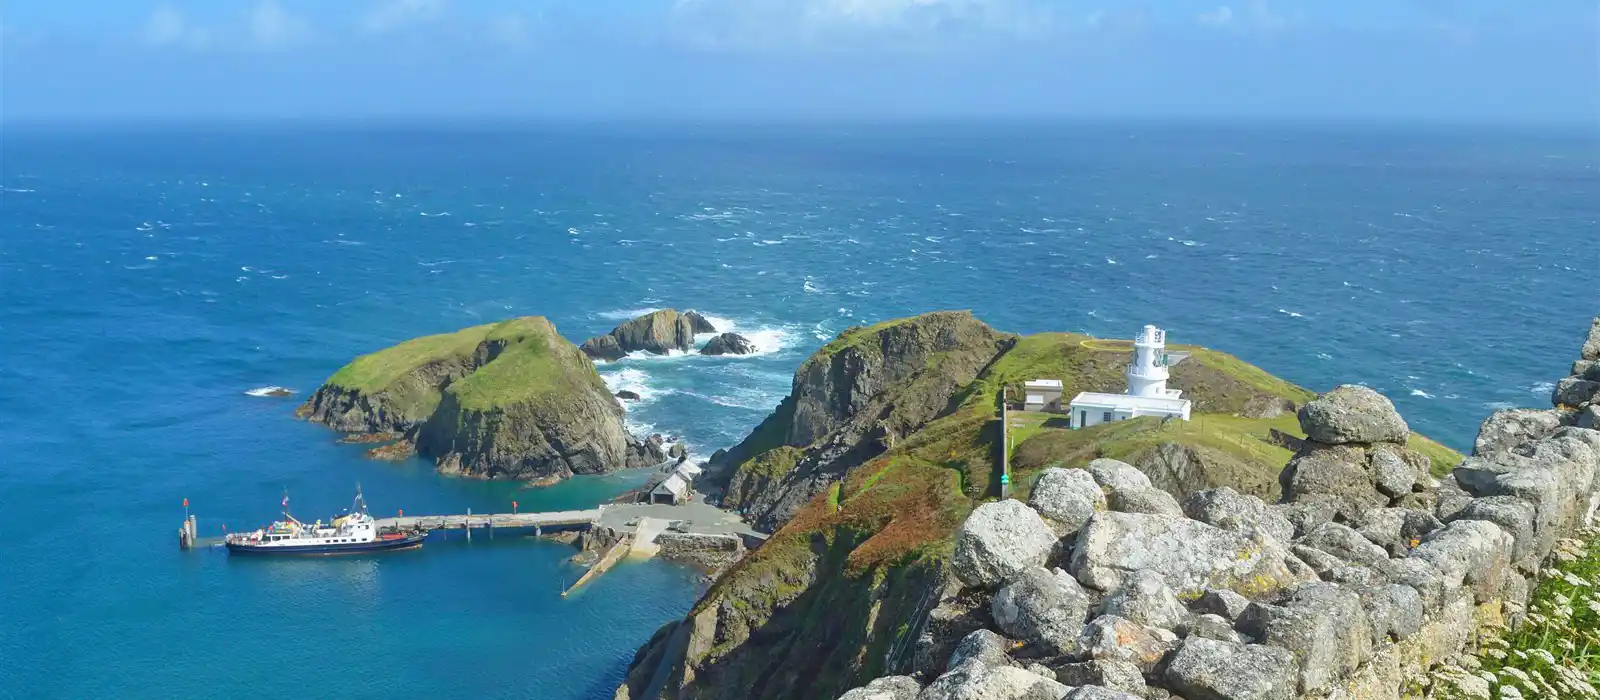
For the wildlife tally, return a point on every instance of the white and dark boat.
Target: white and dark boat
(352, 533)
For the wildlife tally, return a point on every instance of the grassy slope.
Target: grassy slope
(534, 363)
(379, 370)
(895, 516)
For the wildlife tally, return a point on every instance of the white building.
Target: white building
(1042, 395)
(1147, 393)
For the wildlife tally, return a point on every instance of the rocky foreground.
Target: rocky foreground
(1371, 556)
(509, 400)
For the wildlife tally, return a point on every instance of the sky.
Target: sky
(1459, 61)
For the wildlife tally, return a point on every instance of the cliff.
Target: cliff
(505, 400)
(851, 401)
(888, 440)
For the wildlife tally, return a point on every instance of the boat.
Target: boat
(355, 532)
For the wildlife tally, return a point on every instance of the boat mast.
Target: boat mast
(360, 506)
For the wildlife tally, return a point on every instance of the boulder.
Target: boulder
(1145, 599)
(886, 688)
(1334, 474)
(1189, 554)
(678, 453)
(728, 344)
(1209, 669)
(1113, 638)
(1042, 607)
(1095, 692)
(1247, 515)
(1214, 627)
(1352, 414)
(603, 347)
(1510, 427)
(975, 681)
(1514, 515)
(1591, 345)
(1390, 473)
(1067, 497)
(999, 540)
(1396, 530)
(1222, 602)
(1471, 552)
(1421, 577)
(1305, 516)
(626, 395)
(1324, 625)
(1575, 392)
(982, 646)
(1589, 418)
(1450, 498)
(1346, 544)
(1586, 369)
(1114, 475)
(1147, 500)
(1120, 676)
(698, 323)
(1394, 611)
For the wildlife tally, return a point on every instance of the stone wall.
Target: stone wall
(1368, 573)
(709, 552)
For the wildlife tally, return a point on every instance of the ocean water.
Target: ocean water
(151, 277)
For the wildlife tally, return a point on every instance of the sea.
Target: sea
(155, 278)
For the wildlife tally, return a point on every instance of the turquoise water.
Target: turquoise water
(150, 278)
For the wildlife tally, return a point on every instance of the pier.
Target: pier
(553, 521)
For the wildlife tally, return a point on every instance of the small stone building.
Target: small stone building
(1042, 395)
(674, 490)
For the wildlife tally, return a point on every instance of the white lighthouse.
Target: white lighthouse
(1147, 393)
(1147, 374)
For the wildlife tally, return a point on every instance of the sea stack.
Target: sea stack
(509, 400)
(657, 332)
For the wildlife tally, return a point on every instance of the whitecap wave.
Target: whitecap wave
(635, 380)
(270, 391)
(767, 339)
(1291, 314)
(1542, 388)
(1421, 393)
(626, 314)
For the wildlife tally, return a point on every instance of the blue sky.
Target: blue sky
(1536, 61)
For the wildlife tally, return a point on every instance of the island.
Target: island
(507, 400)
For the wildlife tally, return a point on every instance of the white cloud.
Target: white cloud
(269, 26)
(779, 25)
(167, 27)
(513, 31)
(391, 15)
(1220, 17)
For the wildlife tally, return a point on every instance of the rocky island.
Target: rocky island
(1280, 545)
(510, 400)
(658, 332)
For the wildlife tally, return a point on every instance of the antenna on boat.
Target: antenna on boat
(361, 502)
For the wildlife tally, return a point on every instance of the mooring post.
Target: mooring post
(468, 524)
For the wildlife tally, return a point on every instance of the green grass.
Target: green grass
(854, 335)
(377, 371)
(536, 363)
(1556, 651)
(773, 463)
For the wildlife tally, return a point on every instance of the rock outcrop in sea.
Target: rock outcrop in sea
(657, 332)
(510, 400)
(728, 344)
(897, 576)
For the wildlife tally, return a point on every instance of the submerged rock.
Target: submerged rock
(728, 344)
(626, 395)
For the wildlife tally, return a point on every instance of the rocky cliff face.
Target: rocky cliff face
(658, 332)
(508, 400)
(1367, 572)
(850, 402)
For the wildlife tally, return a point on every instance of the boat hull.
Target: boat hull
(409, 541)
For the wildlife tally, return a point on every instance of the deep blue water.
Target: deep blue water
(150, 278)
